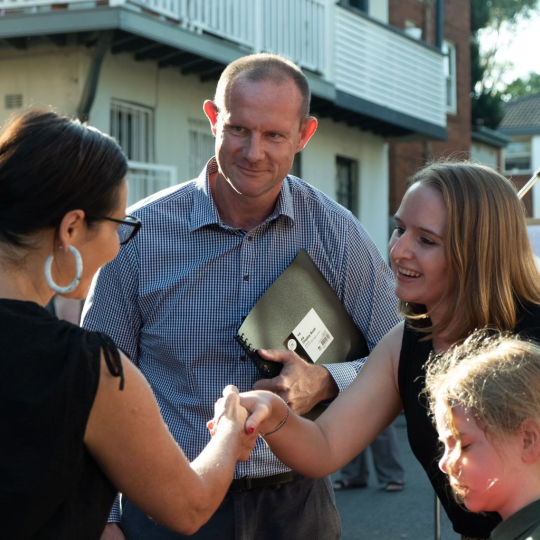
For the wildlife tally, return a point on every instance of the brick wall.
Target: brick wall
(407, 157)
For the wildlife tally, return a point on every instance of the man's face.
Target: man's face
(258, 132)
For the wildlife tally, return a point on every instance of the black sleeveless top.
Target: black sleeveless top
(50, 486)
(423, 436)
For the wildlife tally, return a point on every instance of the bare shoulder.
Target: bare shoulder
(391, 342)
(395, 338)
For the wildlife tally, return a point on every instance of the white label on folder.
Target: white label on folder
(313, 335)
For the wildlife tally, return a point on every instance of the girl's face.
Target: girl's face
(416, 247)
(484, 477)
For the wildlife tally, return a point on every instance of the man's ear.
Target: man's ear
(530, 440)
(309, 127)
(211, 110)
(71, 225)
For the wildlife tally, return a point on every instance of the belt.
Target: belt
(245, 484)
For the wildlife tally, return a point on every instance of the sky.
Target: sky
(521, 49)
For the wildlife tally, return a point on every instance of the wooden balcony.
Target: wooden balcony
(363, 72)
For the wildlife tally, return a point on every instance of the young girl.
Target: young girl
(485, 398)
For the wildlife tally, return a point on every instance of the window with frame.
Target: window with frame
(132, 126)
(517, 157)
(347, 183)
(202, 146)
(362, 5)
(450, 72)
(13, 101)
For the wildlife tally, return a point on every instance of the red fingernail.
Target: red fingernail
(251, 429)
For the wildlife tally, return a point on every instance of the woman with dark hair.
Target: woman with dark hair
(78, 421)
(462, 260)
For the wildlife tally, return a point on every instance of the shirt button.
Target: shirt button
(246, 278)
(243, 358)
(250, 238)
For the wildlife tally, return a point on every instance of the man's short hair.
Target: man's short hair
(264, 67)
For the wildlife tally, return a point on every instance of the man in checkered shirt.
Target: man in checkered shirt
(174, 297)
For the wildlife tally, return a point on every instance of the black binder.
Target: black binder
(301, 311)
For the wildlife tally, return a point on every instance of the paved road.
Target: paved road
(374, 514)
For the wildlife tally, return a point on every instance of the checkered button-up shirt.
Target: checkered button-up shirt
(176, 295)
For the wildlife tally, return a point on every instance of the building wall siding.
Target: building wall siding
(45, 76)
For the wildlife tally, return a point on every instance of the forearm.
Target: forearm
(302, 445)
(349, 424)
(297, 442)
(126, 435)
(215, 467)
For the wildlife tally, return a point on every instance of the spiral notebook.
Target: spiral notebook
(300, 311)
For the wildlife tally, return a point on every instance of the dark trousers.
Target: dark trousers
(386, 459)
(303, 508)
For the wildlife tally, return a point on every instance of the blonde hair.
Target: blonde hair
(487, 250)
(496, 378)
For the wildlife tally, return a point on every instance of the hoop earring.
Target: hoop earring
(78, 273)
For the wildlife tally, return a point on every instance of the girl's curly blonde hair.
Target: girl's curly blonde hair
(495, 377)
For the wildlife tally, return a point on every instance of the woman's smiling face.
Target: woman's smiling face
(417, 249)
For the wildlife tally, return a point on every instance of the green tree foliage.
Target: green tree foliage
(498, 12)
(486, 99)
(522, 87)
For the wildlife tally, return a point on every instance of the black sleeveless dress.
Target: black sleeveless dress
(422, 434)
(50, 486)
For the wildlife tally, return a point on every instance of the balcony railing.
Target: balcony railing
(352, 52)
(145, 179)
(293, 28)
(385, 67)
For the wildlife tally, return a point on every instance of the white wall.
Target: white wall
(378, 9)
(484, 154)
(175, 99)
(319, 168)
(46, 76)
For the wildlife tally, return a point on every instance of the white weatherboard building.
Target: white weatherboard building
(141, 69)
(521, 123)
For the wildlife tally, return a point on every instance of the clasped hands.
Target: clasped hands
(301, 385)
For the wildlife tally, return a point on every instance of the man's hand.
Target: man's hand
(112, 532)
(301, 384)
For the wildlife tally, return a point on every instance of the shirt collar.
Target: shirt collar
(518, 523)
(204, 211)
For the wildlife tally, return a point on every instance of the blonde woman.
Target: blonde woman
(461, 260)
